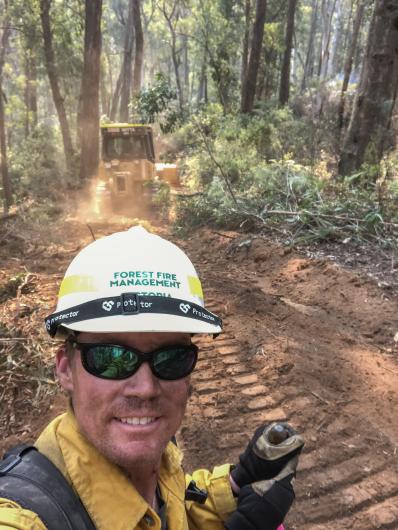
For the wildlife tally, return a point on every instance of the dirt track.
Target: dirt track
(304, 341)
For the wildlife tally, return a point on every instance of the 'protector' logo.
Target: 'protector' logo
(107, 305)
(185, 308)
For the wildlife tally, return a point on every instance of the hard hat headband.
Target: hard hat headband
(129, 304)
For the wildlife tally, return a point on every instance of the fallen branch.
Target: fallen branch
(324, 215)
(223, 235)
(323, 400)
(189, 195)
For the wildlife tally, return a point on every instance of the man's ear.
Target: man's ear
(63, 368)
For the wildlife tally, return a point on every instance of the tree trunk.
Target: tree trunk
(7, 192)
(90, 89)
(347, 30)
(202, 92)
(52, 73)
(126, 70)
(249, 85)
(186, 68)
(104, 92)
(176, 64)
(139, 48)
(309, 60)
(284, 91)
(350, 58)
(327, 10)
(263, 79)
(116, 97)
(337, 41)
(245, 52)
(30, 91)
(366, 138)
(170, 17)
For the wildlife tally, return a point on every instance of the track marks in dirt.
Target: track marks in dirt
(348, 475)
(228, 402)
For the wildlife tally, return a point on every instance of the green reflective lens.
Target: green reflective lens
(112, 361)
(173, 363)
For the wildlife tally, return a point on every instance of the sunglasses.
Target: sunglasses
(113, 361)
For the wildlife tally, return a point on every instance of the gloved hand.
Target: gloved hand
(268, 452)
(263, 505)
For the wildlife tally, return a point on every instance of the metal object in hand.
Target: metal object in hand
(278, 434)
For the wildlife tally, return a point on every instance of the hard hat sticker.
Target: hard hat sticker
(195, 287)
(145, 278)
(77, 284)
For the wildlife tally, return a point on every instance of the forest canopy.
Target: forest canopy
(277, 112)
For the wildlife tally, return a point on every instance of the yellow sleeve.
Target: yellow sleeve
(14, 517)
(220, 502)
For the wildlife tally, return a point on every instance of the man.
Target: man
(128, 307)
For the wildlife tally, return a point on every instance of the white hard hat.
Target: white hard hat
(131, 281)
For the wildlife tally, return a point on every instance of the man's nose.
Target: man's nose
(143, 383)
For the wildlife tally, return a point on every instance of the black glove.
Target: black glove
(263, 505)
(266, 455)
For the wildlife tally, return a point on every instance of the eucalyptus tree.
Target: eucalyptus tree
(368, 135)
(172, 13)
(4, 42)
(284, 90)
(328, 10)
(246, 37)
(26, 21)
(218, 26)
(250, 81)
(90, 89)
(126, 71)
(53, 76)
(350, 55)
(309, 65)
(139, 47)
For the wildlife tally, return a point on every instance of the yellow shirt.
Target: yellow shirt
(110, 498)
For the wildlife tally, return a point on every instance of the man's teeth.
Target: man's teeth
(138, 421)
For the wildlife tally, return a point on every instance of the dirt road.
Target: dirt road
(304, 341)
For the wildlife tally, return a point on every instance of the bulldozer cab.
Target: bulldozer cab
(128, 174)
(127, 142)
(127, 167)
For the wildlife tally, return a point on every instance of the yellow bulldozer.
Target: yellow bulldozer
(128, 174)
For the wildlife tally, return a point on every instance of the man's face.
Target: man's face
(102, 406)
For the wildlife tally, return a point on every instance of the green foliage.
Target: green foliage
(273, 134)
(161, 198)
(35, 166)
(156, 102)
(214, 208)
(256, 158)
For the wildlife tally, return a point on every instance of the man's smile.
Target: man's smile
(138, 420)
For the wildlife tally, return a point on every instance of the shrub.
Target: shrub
(299, 208)
(35, 167)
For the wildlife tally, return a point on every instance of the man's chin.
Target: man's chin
(136, 456)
